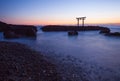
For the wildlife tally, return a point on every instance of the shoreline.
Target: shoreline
(58, 67)
(20, 63)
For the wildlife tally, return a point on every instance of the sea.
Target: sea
(99, 54)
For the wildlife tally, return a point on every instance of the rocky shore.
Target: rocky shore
(20, 63)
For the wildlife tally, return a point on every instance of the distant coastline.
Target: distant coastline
(72, 28)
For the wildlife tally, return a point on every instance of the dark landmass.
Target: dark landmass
(113, 34)
(72, 28)
(3, 26)
(16, 31)
(72, 33)
(20, 63)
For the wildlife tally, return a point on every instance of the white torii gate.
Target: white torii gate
(80, 18)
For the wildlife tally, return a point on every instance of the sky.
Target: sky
(59, 12)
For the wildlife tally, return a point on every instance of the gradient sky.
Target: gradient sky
(44, 12)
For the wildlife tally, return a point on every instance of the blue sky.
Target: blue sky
(59, 11)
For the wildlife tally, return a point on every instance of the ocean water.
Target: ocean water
(89, 47)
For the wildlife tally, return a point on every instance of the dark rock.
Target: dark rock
(71, 33)
(24, 30)
(10, 34)
(11, 80)
(113, 34)
(15, 31)
(71, 28)
(105, 31)
(3, 26)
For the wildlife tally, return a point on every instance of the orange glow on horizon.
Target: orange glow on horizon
(63, 21)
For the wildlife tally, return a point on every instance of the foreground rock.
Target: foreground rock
(19, 63)
(15, 31)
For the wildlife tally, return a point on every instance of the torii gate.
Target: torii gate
(80, 18)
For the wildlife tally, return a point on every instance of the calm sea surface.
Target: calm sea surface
(88, 46)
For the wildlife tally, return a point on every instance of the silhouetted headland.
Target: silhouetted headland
(113, 34)
(72, 28)
(16, 31)
(109, 33)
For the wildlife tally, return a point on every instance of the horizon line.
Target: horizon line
(62, 24)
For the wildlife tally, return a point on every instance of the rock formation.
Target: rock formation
(15, 31)
(72, 28)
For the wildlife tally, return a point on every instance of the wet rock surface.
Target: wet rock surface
(19, 63)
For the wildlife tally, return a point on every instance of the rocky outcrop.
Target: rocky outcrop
(3, 26)
(10, 34)
(113, 34)
(108, 33)
(50, 28)
(105, 30)
(72, 33)
(24, 30)
(15, 31)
